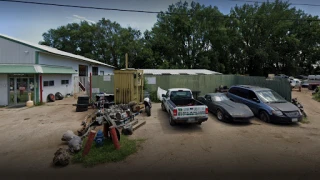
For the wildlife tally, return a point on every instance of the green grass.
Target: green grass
(317, 96)
(107, 153)
(305, 120)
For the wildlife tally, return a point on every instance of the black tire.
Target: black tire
(83, 98)
(58, 96)
(172, 123)
(264, 116)
(81, 109)
(220, 115)
(148, 111)
(199, 123)
(51, 97)
(82, 102)
(82, 105)
(162, 107)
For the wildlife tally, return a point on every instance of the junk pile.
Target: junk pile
(114, 119)
(62, 156)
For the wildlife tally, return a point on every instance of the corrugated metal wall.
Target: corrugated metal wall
(15, 53)
(203, 83)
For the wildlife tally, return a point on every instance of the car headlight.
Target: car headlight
(278, 113)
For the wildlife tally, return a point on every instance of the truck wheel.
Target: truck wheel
(148, 111)
(172, 123)
(162, 107)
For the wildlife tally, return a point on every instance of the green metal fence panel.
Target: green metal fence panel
(103, 83)
(203, 83)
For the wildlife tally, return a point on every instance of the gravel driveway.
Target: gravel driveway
(217, 149)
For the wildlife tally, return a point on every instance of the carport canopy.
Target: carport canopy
(34, 69)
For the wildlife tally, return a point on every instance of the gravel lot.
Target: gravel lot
(256, 150)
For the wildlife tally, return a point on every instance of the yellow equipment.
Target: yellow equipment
(128, 85)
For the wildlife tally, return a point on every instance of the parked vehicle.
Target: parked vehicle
(265, 103)
(182, 107)
(295, 83)
(225, 109)
(296, 103)
(222, 89)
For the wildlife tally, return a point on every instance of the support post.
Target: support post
(126, 60)
(40, 88)
(89, 143)
(90, 87)
(114, 137)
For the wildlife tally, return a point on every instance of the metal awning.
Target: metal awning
(34, 69)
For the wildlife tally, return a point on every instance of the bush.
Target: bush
(153, 97)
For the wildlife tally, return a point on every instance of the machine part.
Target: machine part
(67, 136)
(99, 138)
(61, 157)
(299, 105)
(51, 97)
(75, 144)
(89, 143)
(58, 96)
(147, 105)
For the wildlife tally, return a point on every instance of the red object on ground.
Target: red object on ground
(88, 145)
(114, 137)
(41, 88)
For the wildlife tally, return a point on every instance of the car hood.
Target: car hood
(283, 106)
(236, 109)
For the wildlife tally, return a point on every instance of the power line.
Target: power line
(296, 4)
(143, 11)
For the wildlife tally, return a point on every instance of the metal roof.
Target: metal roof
(53, 50)
(34, 69)
(178, 71)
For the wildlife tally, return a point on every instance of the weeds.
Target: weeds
(107, 152)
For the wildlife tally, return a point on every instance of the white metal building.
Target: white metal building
(40, 70)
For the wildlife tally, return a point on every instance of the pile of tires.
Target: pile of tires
(82, 104)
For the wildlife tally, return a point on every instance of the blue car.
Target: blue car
(265, 103)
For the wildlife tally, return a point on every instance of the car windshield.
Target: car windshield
(180, 95)
(270, 96)
(221, 97)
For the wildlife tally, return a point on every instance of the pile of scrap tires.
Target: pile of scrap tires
(82, 104)
(57, 96)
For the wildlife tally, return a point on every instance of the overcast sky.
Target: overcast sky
(28, 22)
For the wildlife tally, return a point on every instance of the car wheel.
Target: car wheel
(172, 123)
(220, 115)
(264, 116)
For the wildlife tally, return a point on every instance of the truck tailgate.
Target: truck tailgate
(191, 111)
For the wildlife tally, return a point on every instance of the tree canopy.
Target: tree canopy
(255, 39)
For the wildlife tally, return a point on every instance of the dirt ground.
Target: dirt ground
(215, 149)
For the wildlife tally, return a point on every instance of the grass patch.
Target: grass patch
(107, 153)
(305, 120)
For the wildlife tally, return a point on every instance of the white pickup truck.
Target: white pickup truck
(182, 107)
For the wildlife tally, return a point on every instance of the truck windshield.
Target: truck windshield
(180, 95)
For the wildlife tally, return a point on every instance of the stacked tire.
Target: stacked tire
(82, 104)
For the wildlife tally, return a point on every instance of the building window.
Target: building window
(101, 73)
(48, 83)
(64, 81)
(95, 71)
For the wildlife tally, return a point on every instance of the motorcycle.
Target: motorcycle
(147, 105)
(296, 103)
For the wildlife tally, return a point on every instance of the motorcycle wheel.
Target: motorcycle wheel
(148, 111)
